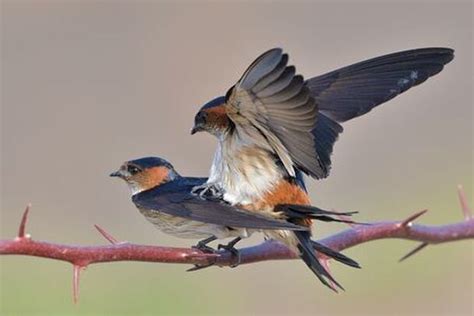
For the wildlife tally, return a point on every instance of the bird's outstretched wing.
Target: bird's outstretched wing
(299, 119)
(271, 97)
(354, 90)
(174, 198)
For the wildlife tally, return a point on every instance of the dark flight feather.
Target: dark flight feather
(297, 212)
(308, 255)
(354, 90)
(322, 102)
(279, 105)
(325, 135)
(334, 254)
(174, 198)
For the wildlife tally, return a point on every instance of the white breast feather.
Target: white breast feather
(245, 172)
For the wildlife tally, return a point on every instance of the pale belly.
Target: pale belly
(185, 228)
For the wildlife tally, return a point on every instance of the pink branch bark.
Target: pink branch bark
(82, 256)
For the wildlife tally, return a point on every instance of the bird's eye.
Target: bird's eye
(133, 169)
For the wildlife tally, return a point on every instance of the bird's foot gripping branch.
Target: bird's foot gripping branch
(82, 256)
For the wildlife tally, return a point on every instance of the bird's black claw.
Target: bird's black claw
(207, 191)
(235, 253)
(204, 248)
(202, 245)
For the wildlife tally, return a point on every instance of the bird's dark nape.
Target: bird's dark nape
(354, 90)
(308, 255)
(213, 103)
(149, 162)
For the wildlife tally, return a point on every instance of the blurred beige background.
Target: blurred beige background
(89, 84)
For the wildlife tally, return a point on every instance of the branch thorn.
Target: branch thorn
(75, 282)
(464, 205)
(325, 263)
(24, 219)
(408, 222)
(414, 251)
(106, 235)
(347, 219)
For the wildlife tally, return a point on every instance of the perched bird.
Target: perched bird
(273, 126)
(164, 198)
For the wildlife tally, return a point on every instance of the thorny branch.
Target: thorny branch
(82, 256)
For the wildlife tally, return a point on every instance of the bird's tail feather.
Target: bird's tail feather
(308, 255)
(334, 255)
(308, 249)
(296, 212)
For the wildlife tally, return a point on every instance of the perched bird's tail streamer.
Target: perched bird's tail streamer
(308, 255)
(308, 250)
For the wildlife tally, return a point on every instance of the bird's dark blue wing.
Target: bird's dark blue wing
(174, 198)
(356, 89)
(326, 133)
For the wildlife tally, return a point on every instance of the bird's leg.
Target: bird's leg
(208, 191)
(231, 248)
(202, 245)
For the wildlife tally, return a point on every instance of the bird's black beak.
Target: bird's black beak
(196, 129)
(116, 174)
(199, 122)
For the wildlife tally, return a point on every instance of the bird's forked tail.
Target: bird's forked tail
(308, 249)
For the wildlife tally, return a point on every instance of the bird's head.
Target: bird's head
(212, 118)
(145, 173)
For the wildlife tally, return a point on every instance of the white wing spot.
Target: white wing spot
(403, 82)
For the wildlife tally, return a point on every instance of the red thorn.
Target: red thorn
(345, 218)
(200, 267)
(106, 235)
(325, 264)
(414, 251)
(407, 222)
(75, 282)
(464, 205)
(24, 219)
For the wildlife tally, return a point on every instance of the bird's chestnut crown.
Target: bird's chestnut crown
(145, 173)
